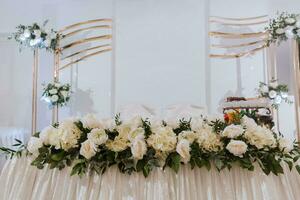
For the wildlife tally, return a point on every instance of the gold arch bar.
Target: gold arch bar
(236, 55)
(103, 37)
(84, 57)
(87, 28)
(239, 24)
(237, 35)
(85, 50)
(83, 23)
(239, 19)
(237, 45)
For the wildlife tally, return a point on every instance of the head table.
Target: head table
(20, 180)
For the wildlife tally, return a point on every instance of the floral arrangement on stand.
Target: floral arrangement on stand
(36, 37)
(274, 92)
(89, 145)
(283, 27)
(56, 94)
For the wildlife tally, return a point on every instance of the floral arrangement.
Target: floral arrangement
(89, 145)
(274, 92)
(56, 94)
(283, 27)
(36, 37)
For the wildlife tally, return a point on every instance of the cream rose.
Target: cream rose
(138, 149)
(98, 136)
(34, 144)
(88, 149)
(233, 131)
(237, 147)
(183, 149)
(118, 144)
(285, 145)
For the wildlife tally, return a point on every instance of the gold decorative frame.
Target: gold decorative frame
(73, 30)
(260, 37)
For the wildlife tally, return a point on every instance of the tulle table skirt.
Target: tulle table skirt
(20, 180)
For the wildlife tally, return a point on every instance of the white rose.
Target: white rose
(64, 93)
(53, 91)
(279, 31)
(233, 131)
(285, 145)
(33, 145)
(124, 130)
(138, 149)
(237, 147)
(37, 33)
(98, 136)
(277, 100)
(88, 149)
(57, 85)
(290, 20)
(249, 123)
(272, 94)
(45, 134)
(183, 149)
(289, 34)
(54, 98)
(26, 33)
(68, 139)
(90, 121)
(54, 138)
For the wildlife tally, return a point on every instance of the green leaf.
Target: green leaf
(146, 170)
(298, 169)
(58, 156)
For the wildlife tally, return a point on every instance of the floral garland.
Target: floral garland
(35, 37)
(140, 145)
(275, 93)
(56, 94)
(283, 27)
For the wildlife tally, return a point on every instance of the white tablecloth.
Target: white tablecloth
(19, 180)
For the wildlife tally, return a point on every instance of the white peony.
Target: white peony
(98, 136)
(285, 145)
(54, 138)
(69, 134)
(90, 121)
(290, 20)
(289, 33)
(88, 149)
(163, 139)
(137, 133)
(138, 148)
(54, 98)
(208, 140)
(279, 31)
(191, 136)
(53, 91)
(46, 133)
(237, 147)
(272, 94)
(233, 131)
(183, 149)
(249, 123)
(26, 33)
(260, 137)
(33, 145)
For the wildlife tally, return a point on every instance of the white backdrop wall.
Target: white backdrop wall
(161, 55)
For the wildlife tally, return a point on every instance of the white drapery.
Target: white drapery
(19, 180)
